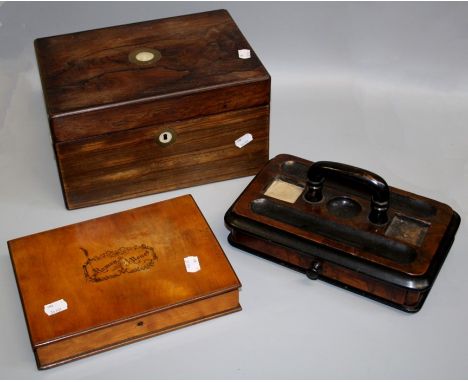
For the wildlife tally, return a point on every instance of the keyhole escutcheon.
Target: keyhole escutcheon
(166, 137)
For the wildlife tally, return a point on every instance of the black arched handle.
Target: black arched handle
(333, 170)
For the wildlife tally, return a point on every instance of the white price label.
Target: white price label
(242, 141)
(55, 307)
(191, 264)
(244, 53)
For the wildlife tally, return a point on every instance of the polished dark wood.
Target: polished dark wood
(91, 69)
(329, 271)
(93, 89)
(139, 115)
(395, 262)
(125, 164)
(123, 277)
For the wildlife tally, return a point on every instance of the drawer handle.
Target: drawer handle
(313, 272)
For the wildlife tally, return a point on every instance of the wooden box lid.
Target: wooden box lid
(118, 267)
(159, 60)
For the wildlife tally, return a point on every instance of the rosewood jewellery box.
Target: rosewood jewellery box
(346, 226)
(106, 282)
(154, 106)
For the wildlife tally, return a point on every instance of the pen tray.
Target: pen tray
(346, 226)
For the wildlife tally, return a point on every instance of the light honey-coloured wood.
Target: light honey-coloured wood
(137, 329)
(116, 269)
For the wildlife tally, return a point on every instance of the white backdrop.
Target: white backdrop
(382, 86)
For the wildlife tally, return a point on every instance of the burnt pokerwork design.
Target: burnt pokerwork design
(111, 264)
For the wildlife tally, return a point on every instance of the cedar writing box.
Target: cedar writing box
(153, 106)
(346, 226)
(106, 282)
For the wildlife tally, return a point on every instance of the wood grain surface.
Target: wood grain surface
(106, 111)
(438, 219)
(368, 258)
(90, 70)
(99, 340)
(140, 115)
(129, 163)
(329, 270)
(123, 277)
